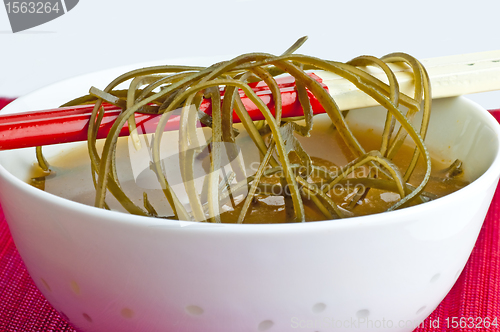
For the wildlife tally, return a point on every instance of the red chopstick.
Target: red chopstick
(69, 124)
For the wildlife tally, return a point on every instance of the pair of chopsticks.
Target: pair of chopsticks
(69, 124)
(450, 76)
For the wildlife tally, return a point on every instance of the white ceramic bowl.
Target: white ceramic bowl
(108, 271)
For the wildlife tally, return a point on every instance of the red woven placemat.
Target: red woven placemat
(474, 300)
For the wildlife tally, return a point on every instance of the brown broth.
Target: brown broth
(72, 180)
(270, 209)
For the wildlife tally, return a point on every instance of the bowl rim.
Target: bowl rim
(489, 177)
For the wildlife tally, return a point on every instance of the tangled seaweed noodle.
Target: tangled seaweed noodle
(163, 89)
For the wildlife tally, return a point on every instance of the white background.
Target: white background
(102, 34)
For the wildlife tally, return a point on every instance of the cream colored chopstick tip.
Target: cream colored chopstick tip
(450, 76)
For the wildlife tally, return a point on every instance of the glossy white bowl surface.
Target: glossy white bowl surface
(108, 271)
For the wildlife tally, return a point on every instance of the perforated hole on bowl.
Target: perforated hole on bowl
(363, 313)
(194, 310)
(87, 317)
(435, 277)
(419, 311)
(46, 284)
(75, 287)
(318, 307)
(127, 313)
(265, 325)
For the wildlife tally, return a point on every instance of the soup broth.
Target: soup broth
(71, 179)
